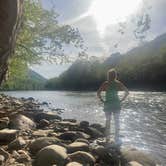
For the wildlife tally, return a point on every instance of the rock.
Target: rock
(73, 135)
(109, 155)
(84, 124)
(69, 136)
(44, 103)
(83, 158)
(47, 116)
(17, 144)
(4, 123)
(22, 122)
(23, 157)
(7, 135)
(50, 155)
(132, 154)
(93, 132)
(78, 146)
(42, 142)
(74, 164)
(43, 123)
(65, 126)
(98, 126)
(42, 133)
(2, 160)
(4, 153)
(134, 163)
(82, 140)
(70, 120)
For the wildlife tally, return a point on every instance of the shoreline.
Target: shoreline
(31, 136)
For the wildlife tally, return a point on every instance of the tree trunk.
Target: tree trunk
(10, 21)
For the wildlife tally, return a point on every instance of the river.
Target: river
(143, 115)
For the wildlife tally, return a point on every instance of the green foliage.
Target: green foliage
(41, 38)
(143, 67)
(29, 81)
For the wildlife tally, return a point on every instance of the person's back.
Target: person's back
(112, 100)
(112, 103)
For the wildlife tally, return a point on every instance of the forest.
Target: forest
(142, 68)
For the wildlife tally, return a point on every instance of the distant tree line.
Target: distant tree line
(142, 68)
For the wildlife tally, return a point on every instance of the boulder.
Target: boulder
(22, 122)
(23, 157)
(84, 124)
(93, 132)
(17, 144)
(41, 133)
(134, 163)
(50, 155)
(109, 155)
(4, 153)
(132, 154)
(4, 123)
(82, 157)
(47, 116)
(73, 135)
(70, 120)
(2, 160)
(62, 126)
(78, 146)
(98, 126)
(7, 135)
(74, 164)
(43, 123)
(69, 136)
(42, 142)
(82, 140)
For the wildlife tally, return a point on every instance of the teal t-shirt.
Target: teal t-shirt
(112, 102)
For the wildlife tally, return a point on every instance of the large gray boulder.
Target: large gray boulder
(22, 122)
(83, 158)
(52, 155)
(42, 142)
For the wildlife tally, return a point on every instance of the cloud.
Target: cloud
(74, 12)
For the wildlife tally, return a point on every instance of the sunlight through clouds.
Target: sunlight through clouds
(107, 12)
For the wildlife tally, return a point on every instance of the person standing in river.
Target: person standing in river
(112, 102)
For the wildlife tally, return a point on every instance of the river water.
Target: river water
(143, 115)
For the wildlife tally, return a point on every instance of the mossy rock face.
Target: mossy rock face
(50, 155)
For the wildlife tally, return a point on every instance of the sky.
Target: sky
(98, 27)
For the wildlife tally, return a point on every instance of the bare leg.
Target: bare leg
(108, 125)
(117, 125)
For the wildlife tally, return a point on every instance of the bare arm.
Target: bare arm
(123, 88)
(102, 88)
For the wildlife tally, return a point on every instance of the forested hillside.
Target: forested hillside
(30, 81)
(143, 68)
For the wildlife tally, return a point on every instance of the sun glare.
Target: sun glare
(107, 12)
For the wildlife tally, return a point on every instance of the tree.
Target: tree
(41, 38)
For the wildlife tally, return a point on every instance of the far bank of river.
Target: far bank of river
(142, 118)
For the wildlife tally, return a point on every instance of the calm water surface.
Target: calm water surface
(143, 115)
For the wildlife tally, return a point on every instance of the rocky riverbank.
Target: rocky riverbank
(31, 136)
